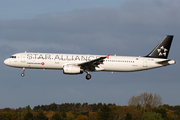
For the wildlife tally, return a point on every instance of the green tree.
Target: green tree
(163, 113)
(37, 108)
(69, 118)
(63, 114)
(1, 116)
(7, 116)
(28, 108)
(151, 116)
(57, 116)
(28, 116)
(14, 116)
(41, 116)
(104, 113)
(53, 106)
(128, 116)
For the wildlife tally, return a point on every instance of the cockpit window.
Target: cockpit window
(12, 56)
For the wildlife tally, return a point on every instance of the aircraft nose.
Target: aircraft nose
(6, 62)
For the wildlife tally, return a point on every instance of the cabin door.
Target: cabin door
(23, 57)
(145, 63)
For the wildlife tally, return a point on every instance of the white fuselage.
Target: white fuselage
(56, 61)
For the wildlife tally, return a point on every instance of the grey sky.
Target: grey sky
(132, 27)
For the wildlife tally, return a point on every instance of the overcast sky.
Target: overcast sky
(121, 27)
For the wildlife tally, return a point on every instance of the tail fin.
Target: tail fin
(162, 49)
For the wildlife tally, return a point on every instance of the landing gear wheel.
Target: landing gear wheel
(23, 70)
(22, 74)
(88, 76)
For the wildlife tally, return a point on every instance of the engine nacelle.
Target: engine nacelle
(72, 69)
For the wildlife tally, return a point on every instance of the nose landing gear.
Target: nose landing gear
(23, 70)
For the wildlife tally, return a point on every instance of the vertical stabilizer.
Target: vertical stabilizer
(162, 49)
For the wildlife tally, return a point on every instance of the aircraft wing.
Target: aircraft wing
(90, 65)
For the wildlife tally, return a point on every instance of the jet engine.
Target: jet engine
(72, 69)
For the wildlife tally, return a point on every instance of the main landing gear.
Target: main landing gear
(23, 70)
(88, 76)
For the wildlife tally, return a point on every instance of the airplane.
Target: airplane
(74, 64)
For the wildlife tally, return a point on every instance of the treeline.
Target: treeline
(85, 111)
(78, 107)
(143, 107)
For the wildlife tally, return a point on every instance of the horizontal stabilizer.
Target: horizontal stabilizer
(164, 62)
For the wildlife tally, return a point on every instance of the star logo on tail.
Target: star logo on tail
(162, 51)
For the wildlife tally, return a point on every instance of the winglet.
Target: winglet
(107, 56)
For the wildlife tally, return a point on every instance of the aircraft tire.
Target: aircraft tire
(22, 74)
(88, 76)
